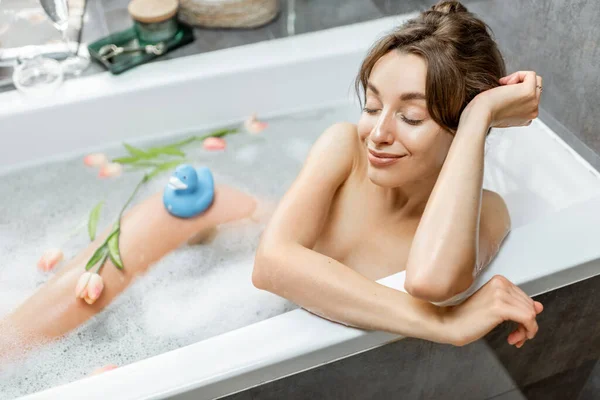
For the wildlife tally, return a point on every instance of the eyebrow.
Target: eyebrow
(405, 96)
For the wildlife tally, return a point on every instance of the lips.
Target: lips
(380, 159)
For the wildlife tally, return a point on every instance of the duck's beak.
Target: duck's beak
(175, 183)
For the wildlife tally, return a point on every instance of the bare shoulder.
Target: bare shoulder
(342, 136)
(495, 219)
(336, 150)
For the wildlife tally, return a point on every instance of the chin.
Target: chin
(384, 178)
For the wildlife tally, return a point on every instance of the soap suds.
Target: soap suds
(192, 294)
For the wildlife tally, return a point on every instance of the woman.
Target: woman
(402, 190)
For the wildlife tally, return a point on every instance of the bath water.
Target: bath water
(191, 294)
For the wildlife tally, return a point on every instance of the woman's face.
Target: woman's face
(403, 144)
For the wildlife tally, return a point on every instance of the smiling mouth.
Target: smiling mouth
(379, 159)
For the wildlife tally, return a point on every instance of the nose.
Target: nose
(383, 133)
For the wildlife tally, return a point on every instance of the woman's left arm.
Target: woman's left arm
(463, 226)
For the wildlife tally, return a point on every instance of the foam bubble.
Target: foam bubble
(192, 294)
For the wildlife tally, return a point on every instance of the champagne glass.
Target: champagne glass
(58, 12)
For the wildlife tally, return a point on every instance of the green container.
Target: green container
(129, 38)
(155, 32)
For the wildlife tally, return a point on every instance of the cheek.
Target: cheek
(428, 144)
(365, 125)
(418, 140)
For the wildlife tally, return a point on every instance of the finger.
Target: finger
(513, 337)
(539, 307)
(516, 311)
(506, 79)
(523, 339)
(510, 79)
(530, 324)
(522, 333)
(529, 78)
(521, 77)
(517, 335)
(539, 87)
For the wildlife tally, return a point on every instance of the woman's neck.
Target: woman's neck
(407, 201)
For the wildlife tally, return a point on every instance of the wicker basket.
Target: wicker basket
(228, 13)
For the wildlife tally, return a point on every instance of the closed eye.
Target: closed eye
(370, 110)
(411, 121)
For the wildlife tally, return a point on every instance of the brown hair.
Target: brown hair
(462, 58)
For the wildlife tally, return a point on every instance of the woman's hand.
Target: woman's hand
(514, 103)
(497, 301)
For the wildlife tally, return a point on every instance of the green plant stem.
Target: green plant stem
(219, 133)
(101, 263)
(148, 176)
(144, 180)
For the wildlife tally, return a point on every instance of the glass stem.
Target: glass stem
(65, 39)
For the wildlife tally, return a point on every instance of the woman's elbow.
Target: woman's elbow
(436, 288)
(259, 272)
(265, 266)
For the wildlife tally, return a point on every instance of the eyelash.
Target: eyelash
(372, 111)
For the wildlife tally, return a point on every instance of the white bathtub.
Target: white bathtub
(552, 193)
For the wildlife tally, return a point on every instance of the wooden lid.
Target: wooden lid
(151, 11)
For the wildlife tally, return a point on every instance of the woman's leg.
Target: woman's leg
(148, 232)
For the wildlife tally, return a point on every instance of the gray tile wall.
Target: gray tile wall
(559, 39)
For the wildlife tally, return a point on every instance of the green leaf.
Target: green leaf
(222, 132)
(98, 255)
(168, 150)
(145, 164)
(113, 248)
(135, 152)
(217, 133)
(126, 160)
(164, 167)
(93, 220)
(185, 142)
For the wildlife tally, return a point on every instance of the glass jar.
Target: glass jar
(154, 20)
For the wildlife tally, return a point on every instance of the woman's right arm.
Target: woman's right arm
(286, 265)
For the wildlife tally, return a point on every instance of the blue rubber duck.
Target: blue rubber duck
(190, 191)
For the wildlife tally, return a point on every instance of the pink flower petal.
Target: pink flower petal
(214, 143)
(253, 125)
(89, 287)
(81, 288)
(257, 127)
(95, 286)
(95, 160)
(110, 170)
(50, 259)
(104, 369)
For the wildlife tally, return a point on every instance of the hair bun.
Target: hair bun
(449, 7)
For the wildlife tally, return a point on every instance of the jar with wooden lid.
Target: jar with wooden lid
(229, 13)
(154, 20)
